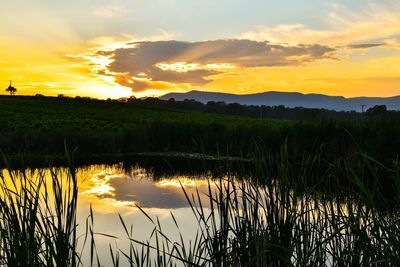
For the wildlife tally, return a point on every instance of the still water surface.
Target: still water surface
(113, 191)
(118, 190)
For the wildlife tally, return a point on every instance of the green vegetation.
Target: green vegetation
(252, 111)
(41, 126)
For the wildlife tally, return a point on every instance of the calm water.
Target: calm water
(117, 190)
(154, 185)
(111, 190)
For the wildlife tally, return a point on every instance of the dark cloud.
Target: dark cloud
(364, 46)
(142, 59)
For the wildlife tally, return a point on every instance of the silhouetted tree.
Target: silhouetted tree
(11, 89)
(131, 99)
(378, 109)
(215, 107)
(264, 112)
(234, 108)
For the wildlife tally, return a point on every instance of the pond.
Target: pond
(128, 204)
(114, 192)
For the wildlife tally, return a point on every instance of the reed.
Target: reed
(287, 218)
(285, 222)
(38, 218)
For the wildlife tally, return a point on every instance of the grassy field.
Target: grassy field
(41, 126)
(69, 114)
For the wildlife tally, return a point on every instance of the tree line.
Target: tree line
(253, 111)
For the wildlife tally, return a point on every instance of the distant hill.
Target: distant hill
(292, 100)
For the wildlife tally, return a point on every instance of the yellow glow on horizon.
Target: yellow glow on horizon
(35, 70)
(84, 73)
(349, 78)
(154, 93)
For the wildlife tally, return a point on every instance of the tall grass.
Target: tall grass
(285, 222)
(288, 218)
(38, 218)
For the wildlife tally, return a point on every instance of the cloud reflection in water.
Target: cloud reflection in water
(119, 189)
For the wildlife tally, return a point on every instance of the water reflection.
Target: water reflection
(280, 215)
(114, 190)
(114, 187)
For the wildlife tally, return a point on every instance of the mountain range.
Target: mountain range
(291, 99)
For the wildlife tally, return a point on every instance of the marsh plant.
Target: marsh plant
(245, 224)
(280, 220)
(38, 218)
(286, 221)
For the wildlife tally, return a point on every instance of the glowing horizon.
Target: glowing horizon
(111, 51)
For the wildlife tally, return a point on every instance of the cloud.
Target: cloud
(109, 12)
(343, 27)
(164, 193)
(140, 84)
(364, 46)
(163, 64)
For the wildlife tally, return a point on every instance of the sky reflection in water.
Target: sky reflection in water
(110, 191)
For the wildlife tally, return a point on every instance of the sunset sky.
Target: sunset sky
(120, 48)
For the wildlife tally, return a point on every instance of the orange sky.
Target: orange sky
(344, 50)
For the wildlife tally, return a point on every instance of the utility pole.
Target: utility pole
(362, 108)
